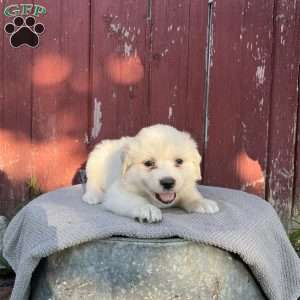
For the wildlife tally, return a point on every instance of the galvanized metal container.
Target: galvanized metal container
(135, 269)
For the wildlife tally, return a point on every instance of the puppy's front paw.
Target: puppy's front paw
(207, 206)
(91, 198)
(147, 213)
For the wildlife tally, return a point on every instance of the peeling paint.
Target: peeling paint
(253, 183)
(86, 139)
(260, 74)
(170, 113)
(270, 34)
(175, 89)
(271, 199)
(249, 46)
(281, 16)
(286, 173)
(127, 49)
(261, 104)
(124, 33)
(97, 119)
(115, 27)
(259, 55)
(165, 52)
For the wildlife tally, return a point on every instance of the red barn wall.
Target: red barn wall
(226, 71)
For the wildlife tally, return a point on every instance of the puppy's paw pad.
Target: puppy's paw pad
(207, 207)
(148, 214)
(91, 199)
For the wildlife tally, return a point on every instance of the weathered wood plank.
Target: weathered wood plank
(295, 34)
(295, 218)
(195, 99)
(284, 108)
(169, 70)
(3, 177)
(15, 119)
(239, 93)
(60, 93)
(119, 68)
(178, 63)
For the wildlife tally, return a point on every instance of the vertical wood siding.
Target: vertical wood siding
(119, 68)
(226, 71)
(177, 66)
(296, 39)
(284, 105)
(15, 121)
(60, 94)
(239, 93)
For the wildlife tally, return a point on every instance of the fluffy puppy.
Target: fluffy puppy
(136, 176)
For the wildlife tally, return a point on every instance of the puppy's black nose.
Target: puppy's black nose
(167, 182)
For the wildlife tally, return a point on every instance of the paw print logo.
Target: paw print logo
(24, 32)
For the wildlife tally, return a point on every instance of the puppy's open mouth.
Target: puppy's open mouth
(166, 197)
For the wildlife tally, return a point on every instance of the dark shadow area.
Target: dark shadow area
(6, 285)
(9, 195)
(80, 175)
(15, 195)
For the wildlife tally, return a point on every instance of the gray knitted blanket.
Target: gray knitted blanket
(246, 225)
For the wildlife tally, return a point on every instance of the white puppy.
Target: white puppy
(136, 176)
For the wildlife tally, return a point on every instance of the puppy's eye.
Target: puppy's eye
(179, 161)
(149, 163)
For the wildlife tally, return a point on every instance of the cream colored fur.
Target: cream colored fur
(118, 177)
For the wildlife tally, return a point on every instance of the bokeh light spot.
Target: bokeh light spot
(248, 169)
(51, 69)
(124, 70)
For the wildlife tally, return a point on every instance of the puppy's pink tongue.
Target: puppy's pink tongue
(167, 196)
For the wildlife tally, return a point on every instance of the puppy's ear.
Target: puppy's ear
(196, 158)
(126, 161)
